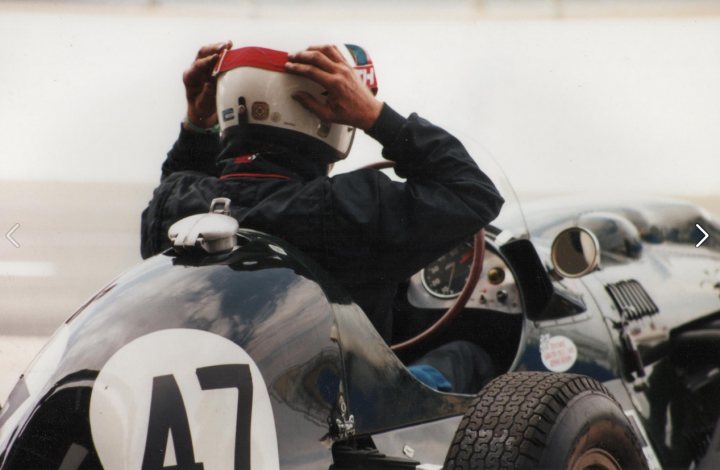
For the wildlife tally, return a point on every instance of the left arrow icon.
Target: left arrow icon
(9, 235)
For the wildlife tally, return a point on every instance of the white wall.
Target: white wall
(563, 105)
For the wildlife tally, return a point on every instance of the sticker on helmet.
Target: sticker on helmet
(367, 76)
(558, 353)
(228, 114)
(260, 110)
(182, 398)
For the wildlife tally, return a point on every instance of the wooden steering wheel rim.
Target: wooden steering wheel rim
(460, 301)
(381, 165)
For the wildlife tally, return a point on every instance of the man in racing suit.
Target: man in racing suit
(369, 232)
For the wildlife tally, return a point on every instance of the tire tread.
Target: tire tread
(517, 407)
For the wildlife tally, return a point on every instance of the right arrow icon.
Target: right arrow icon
(705, 237)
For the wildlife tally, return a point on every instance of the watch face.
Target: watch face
(446, 276)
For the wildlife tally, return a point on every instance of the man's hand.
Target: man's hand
(348, 101)
(200, 85)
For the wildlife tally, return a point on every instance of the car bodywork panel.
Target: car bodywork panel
(318, 354)
(332, 379)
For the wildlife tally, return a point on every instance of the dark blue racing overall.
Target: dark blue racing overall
(368, 231)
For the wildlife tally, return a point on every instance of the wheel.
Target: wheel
(531, 420)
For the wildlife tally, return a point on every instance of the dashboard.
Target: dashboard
(438, 284)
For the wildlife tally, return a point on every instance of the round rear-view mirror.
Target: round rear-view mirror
(575, 252)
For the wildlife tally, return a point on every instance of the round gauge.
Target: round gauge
(445, 277)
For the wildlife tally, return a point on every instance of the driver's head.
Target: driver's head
(257, 112)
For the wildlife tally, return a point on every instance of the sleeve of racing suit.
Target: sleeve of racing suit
(445, 199)
(193, 156)
(192, 152)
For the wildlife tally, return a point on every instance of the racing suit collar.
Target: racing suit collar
(271, 165)
(267, 157)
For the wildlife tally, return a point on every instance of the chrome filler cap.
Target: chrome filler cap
(214, 232)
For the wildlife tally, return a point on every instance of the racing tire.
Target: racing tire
(537, 420)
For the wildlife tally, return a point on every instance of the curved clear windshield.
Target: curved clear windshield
(511, 222)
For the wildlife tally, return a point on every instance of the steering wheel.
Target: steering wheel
(462, 299)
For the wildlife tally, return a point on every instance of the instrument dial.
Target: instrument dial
(446, 276)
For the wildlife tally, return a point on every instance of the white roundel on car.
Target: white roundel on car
(558, 353)
(185, 398)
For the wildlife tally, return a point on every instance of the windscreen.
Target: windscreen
(511, 221)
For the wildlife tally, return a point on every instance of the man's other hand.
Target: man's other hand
(200, 85)
(349, 101)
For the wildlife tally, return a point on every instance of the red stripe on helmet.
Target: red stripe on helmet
(270, 59)
(258, 57)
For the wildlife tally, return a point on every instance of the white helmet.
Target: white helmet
(254, 88)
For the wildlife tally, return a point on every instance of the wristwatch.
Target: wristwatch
(187, 124)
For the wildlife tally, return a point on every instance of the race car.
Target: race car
(234, 350)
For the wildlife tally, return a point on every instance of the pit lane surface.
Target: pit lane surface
(74, 238)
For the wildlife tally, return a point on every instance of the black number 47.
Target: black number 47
(168, 415)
